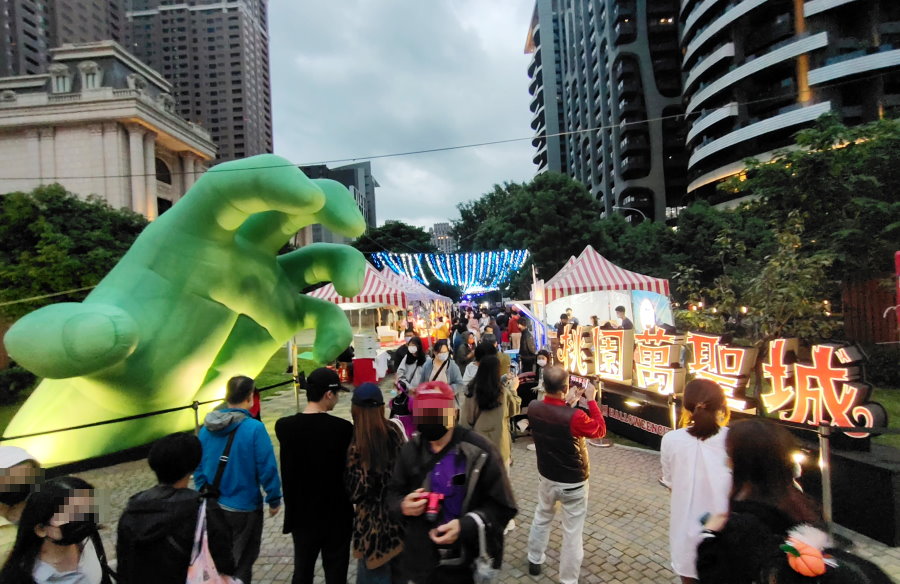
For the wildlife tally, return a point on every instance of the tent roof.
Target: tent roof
(376, 290)
(592, 272)
(414, 290)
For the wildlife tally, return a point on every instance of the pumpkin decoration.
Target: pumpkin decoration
(804, 551)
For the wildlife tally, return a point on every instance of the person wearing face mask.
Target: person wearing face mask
(57, 540)
(19, 473)
(442, 368)
(410, 369)
(466, 470)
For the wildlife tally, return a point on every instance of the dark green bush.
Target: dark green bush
(13, 382)
(883, 367)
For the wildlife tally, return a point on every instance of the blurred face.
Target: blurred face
(72, 523)
(412, 348)
(443, 353)
(471, 340)
(433, 424)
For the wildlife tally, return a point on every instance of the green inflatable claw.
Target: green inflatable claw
(200, 297)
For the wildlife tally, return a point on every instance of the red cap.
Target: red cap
(434, 395)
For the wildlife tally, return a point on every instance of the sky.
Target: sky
(357, 78)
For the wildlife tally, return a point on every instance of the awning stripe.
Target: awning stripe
(592, 272)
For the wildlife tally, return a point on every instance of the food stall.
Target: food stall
(370, 360)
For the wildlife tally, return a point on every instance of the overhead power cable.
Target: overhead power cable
(459, 146)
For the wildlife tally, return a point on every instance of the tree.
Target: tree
(397, 237)
(843, 183)
(52, 241)
(552, 216)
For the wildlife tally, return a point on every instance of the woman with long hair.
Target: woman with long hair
(695, 468)
(377, 537)
(410, 368)
(490, 401)
(57, 537)
(764, 504)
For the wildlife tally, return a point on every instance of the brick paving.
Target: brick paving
(625, 540)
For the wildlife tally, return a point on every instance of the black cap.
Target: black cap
(369, 395)
(325, 379)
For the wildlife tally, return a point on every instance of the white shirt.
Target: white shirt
(697, 472)
(88, 571)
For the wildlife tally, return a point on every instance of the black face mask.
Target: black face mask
(16, 495)
(75, 532)
(432, 432)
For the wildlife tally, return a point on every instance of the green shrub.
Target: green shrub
(883, 366)
(14, 381)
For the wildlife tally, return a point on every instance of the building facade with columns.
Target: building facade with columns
(99, 122)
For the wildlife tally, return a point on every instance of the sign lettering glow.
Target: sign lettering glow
(728, 366)
(830, 390)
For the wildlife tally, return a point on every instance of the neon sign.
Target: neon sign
(728, 366)
(830, 390)
(606, 354)
(658, 361)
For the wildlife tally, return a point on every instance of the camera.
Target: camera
(432, 506)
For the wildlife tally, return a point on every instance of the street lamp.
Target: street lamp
(631, 209)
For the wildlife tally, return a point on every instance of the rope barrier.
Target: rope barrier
(193, 406)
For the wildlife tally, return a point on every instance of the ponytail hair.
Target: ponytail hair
(704, 410)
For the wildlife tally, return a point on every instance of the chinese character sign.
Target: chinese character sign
(658, 361)
(828, 390)
(728, 366)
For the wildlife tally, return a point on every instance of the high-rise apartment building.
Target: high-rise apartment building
(361, 183)
(215, 53)
(442, 239)
(30, 28)
(757, 71)
(610, 69)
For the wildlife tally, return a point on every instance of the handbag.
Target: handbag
(202, 569)
(483, 570)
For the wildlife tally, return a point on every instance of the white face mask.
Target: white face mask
(412, 349)
(542, 362)
(442, 356)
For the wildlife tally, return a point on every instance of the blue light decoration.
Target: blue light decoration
(473, 273)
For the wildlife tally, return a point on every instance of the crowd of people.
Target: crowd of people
(417, 489)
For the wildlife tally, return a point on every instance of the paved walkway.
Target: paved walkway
(626, 538)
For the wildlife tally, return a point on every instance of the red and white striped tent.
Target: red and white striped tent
(591, 272)
(376, 291)
(415, 291)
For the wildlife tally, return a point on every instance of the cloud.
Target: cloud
(369, 77)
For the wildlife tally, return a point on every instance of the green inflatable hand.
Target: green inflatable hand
(200, 297)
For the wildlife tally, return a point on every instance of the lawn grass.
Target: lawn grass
(890, 399)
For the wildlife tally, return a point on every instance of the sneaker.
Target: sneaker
(600, 442)
(534, 569)
(509, 526)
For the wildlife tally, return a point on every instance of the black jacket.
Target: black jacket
(488, 492)
(746, 545)
(156, 536)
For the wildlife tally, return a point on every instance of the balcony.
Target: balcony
(629, 87)
(883, 57)
(790, 51)
(760, 40)
(626, 67)
(627, 107)
(636, 143)
(710, 118)
(723, 53)
(625, 32)
(623, 11)
(817, 6)
(735, 10)
(635, 166)
(759, 128)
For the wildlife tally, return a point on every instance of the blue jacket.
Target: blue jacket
(251, 463)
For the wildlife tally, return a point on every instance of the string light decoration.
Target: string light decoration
(473, 273)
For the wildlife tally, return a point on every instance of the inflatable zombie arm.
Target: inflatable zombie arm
(201, 296)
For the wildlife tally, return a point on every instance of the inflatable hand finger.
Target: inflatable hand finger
(199, 297)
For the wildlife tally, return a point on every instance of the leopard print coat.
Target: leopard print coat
(376, 536)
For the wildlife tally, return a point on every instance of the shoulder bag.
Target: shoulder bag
(483, 571)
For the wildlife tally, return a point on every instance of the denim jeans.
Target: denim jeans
(380, 575)
(573, 499)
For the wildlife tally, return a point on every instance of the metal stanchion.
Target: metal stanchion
(196, 407)
(825, 467)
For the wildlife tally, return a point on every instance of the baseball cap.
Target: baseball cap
(10, 456)
(325, 379)
(368, 395)
(434, 395)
